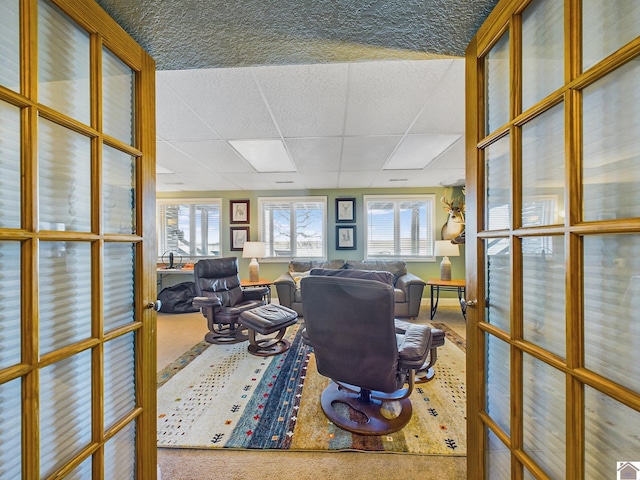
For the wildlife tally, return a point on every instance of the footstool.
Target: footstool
(426, 372)
(266, 320)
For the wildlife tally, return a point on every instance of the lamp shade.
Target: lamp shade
(444, 248)
(253, 250)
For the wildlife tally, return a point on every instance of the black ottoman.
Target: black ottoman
(426, 372)
(266, 320)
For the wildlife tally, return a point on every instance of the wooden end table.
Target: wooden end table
(437, 284)
(262, 282)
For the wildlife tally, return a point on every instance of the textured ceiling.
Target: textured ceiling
(349, 87)
(213, 33)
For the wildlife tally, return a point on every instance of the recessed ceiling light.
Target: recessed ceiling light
(265, 155)
(418, 151)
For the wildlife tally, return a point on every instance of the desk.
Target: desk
(162, 272)
(437, 284)
(262, 282)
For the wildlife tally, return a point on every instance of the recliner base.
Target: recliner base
(228, 335)
(376, 424)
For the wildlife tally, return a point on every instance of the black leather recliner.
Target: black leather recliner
(350, 324)
(222, 299)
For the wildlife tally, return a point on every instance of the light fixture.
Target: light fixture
(253, 250)
(446, 249)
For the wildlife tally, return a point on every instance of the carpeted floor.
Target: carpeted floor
(175, 332)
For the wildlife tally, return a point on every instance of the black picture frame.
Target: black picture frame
(345, 210)
(346, 237)
(239, 211)
(239, 235)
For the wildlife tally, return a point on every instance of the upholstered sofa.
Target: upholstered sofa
(408, 287)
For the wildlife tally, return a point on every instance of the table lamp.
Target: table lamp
(446, 249)
(253, 250)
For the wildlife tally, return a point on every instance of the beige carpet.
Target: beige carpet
(177, 333)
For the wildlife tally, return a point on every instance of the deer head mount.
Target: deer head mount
(453, 229)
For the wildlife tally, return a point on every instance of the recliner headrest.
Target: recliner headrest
(377, 275)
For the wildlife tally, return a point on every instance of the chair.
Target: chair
(350, 324)
(221, 299)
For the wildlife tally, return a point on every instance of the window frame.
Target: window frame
(429, 199)
(161, 222)
(262, 201)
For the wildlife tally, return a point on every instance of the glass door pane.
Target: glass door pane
(10, 166)
(10, 45)
(118, 177)
(10, 320)
(118, 92)
(63, 63)
(496, 74)
(611, 165)
(11, 431)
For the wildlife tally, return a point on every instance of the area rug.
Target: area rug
(220, 396)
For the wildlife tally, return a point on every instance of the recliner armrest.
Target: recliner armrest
(206, 302)
(415, 346)
(255, 293)
(285, 278)
(405, 281)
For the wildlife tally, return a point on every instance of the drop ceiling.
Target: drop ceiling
(354, 94)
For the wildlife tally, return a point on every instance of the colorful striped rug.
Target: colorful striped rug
(220, 396)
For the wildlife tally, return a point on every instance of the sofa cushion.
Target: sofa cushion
(297, 276)
(396, 267)
(305, 266)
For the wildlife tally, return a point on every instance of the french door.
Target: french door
(553, 244)
(77, 245)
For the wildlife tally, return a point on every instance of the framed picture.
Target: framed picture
(239, 211)
(346, 237)
(345, 210)
(239, 235)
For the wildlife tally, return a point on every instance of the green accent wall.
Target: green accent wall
(272, 269)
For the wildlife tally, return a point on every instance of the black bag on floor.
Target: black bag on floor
(178, 298)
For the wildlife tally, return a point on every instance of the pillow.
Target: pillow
(298, 276)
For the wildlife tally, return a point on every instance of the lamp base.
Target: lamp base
(445, 269)
(254, 270)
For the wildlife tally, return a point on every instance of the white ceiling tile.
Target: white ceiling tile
(367, 152)
(320, 180)
(453, 157)
(248, 181)
(228, 99)
(315, 154)
(444, 111)
(362, 179)
(417, 151)
(385, 97)
(215, 155)
(175, 120)
(306, 100)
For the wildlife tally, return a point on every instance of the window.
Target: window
(399, 226)
(189, 228)
(293, 227)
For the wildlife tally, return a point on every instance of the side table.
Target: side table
(245, 283)
(437, 284)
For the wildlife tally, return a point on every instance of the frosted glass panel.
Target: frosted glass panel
(65, 411)
(118, 98)
(63, 63)
(119, 454)
(543, 289)
(543, 168)
(119, 378)
(119, 190)
(11, 429)
(542, 50)
(611, 434)
(543, 416)
(64, 160)
(82, 471)
(611, 299)
(611, 168)
(65, 294)
(9, 165)
(497, 384)
(496, 71)
(610, 25)
(119, 280)
(498, 458)
(498, 282)
(9, 304)
(498, 185)
(10, 45)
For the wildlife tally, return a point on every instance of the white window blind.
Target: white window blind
(399, 226)
(190, 229)
(293, 227)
